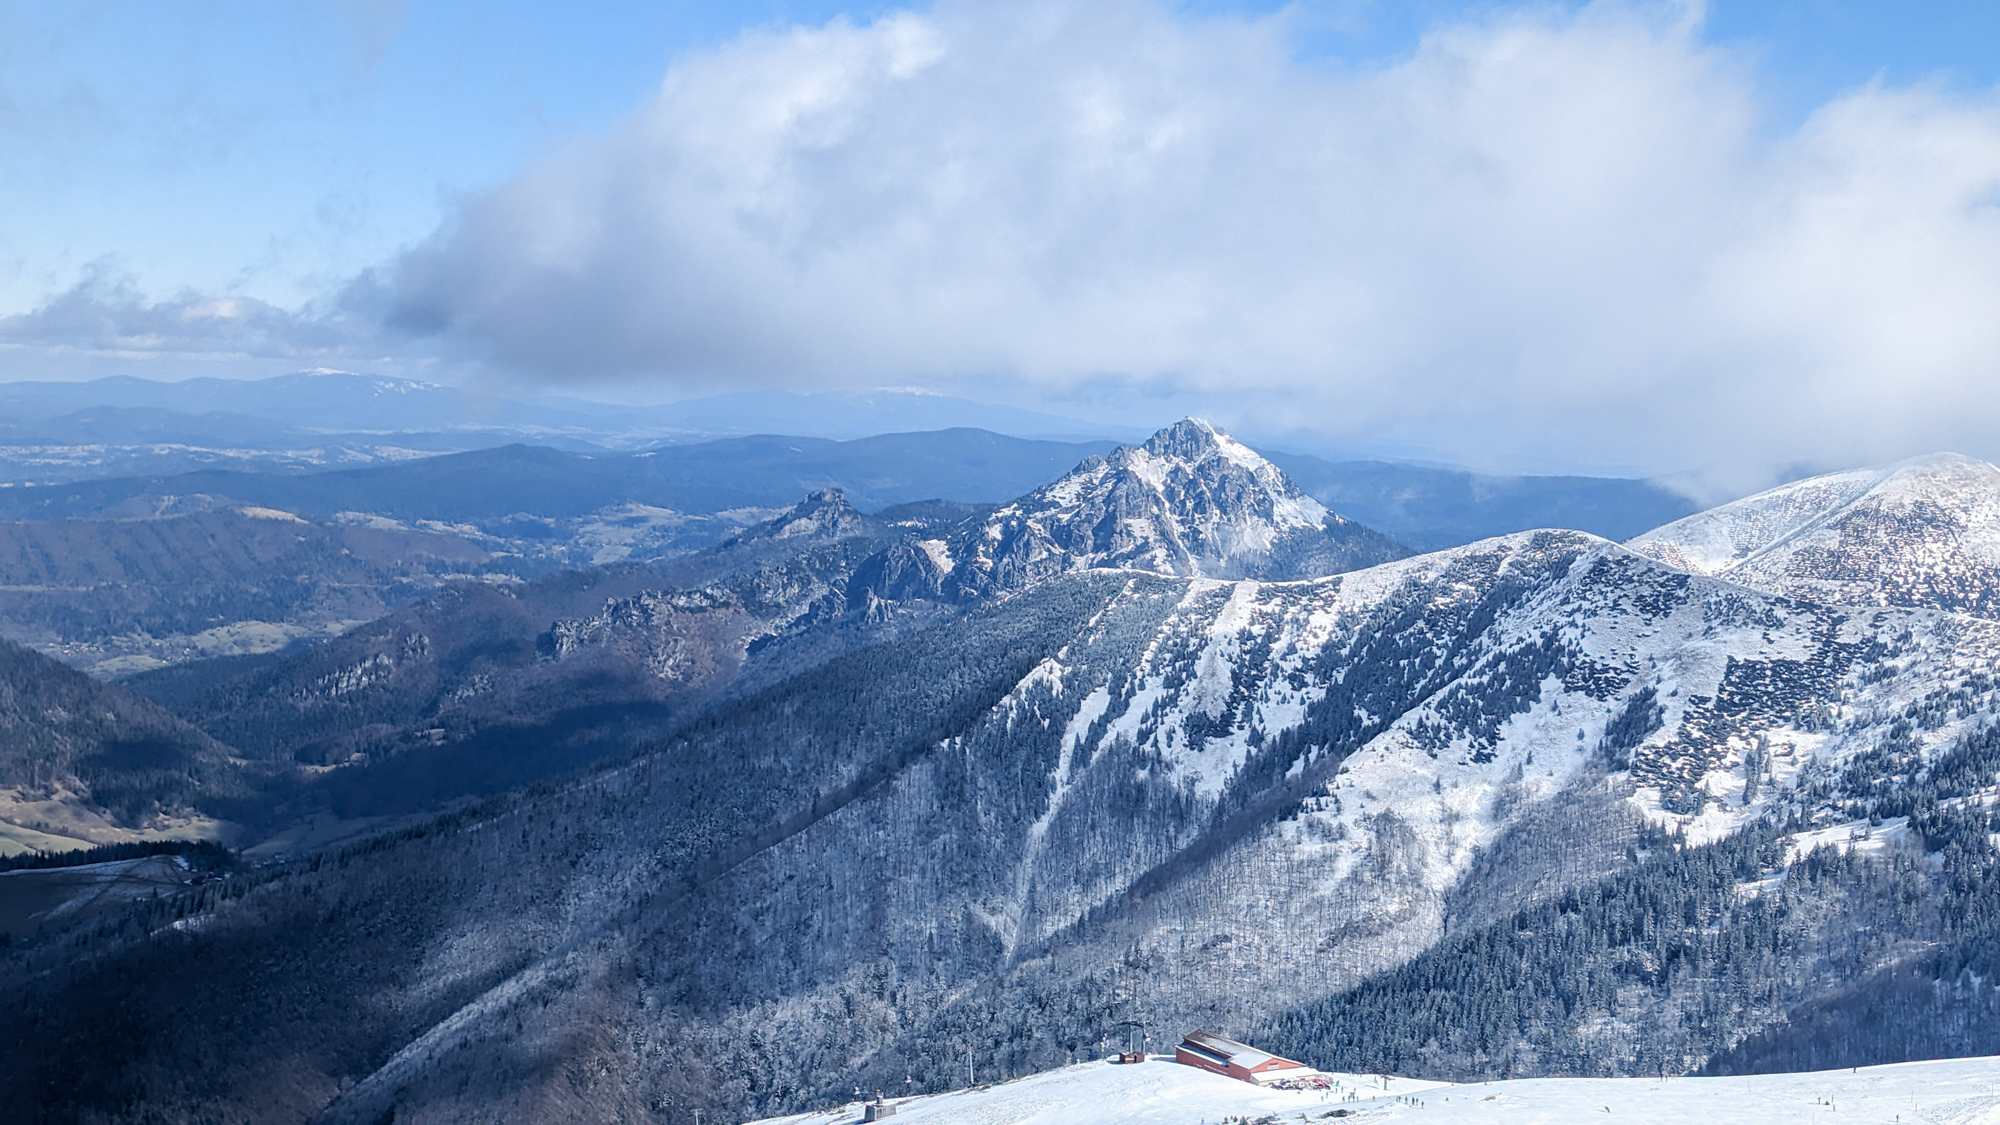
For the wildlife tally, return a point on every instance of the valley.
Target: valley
(846, 793)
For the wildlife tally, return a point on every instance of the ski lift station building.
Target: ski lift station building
(1210, 1051)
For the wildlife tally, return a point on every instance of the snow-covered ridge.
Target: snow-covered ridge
(1159, 1092)
(1923, 532)
(1415, 712)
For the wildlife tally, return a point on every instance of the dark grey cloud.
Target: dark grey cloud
(105, 312)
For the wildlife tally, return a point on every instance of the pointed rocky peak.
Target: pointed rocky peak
(1197, 440)
(1192, 439)
(1191, 501)
(1205, 481)
(825, 514)
(1923, 532)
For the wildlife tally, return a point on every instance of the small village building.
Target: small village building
(1210, 1051)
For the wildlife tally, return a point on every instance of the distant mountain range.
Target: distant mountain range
(123, 427)
(1430, 509)
(488, 487)
(1161, 742)
(121, 596)
(290, 412)
(643, 643)
(523, 510)
(118, 575)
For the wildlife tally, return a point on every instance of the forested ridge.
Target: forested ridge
(297, 980)
(1716, 958)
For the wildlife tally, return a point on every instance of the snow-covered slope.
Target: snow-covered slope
(1954, 1091)
(1250, 793)
(1922, 532)
(1414, 711)
(1191, 502)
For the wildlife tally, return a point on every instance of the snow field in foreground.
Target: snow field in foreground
(1160, 1092)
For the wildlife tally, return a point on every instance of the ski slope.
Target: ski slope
(1949, 1092)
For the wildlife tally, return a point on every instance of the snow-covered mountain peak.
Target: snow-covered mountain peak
(1191, 501)
(1922, 532)
(1198, 439)
(1195, 446)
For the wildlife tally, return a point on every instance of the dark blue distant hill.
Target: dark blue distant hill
(1431, 509)
(966, 465)
(1424, 508)
(347, 404)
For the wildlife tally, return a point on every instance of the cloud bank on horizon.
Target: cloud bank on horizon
(1543, 229)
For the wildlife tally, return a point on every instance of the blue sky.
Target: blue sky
(334, 167)
(274, 149)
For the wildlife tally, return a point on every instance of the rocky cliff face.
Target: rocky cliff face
(1191, 502)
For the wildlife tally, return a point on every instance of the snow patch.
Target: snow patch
(1161, 1092)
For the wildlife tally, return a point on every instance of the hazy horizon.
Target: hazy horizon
(1615, 237)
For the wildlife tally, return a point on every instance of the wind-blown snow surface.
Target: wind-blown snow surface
(1951, 1092)
(1922, 532)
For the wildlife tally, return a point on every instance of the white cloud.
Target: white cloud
(1552, 236)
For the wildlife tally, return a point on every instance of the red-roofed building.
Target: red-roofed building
(1210, 1051)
